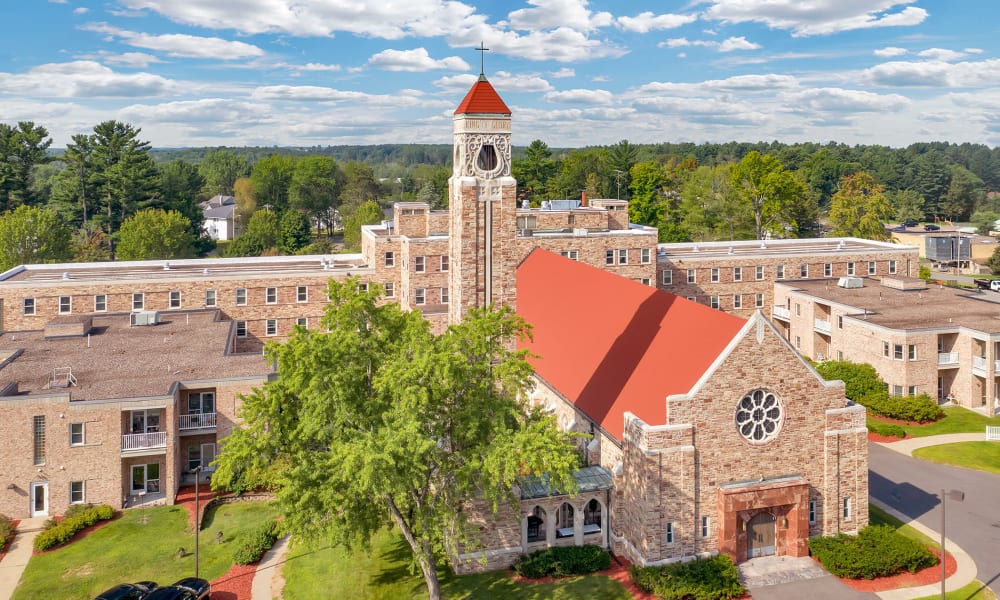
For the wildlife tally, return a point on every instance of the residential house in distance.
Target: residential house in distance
(220, 218)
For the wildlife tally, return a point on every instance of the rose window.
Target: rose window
(758, 416)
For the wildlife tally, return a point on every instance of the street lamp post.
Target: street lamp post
(197, 525)
(958, 495)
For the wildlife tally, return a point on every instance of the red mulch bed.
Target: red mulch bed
(884, 439)
(905, 579)
(898, 421)
(80, 534)
(5, 547)
(235, 584)
(185, 498)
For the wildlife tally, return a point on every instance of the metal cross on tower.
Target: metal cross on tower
(482, 56)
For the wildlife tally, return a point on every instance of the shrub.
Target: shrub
(877, 551)
(702, 579)
(916, 409)
(562, 561)
(886, 429)
(860, 379)
(6, 530)
(77, 519)
(254, 544)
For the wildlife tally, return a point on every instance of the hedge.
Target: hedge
(254, 544)
(562, 561)
(877, 551)
(886, 429)
(863, 385)
(76, 520)
(702, 579)
(6, 530)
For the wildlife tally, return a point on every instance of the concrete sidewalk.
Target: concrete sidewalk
(907, 446)
(267, 578)
(17, 557)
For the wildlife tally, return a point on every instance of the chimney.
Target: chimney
(583, 199)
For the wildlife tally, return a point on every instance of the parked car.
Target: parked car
(189, 588)
(931, 227)
(910, 223)
(128, 591)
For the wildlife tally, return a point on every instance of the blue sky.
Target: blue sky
(575, 73)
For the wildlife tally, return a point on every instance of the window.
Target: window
(798, 309)
(390, 290)
(201, 403)
(302, 322)
(175, 300)
(705, 526)
(363, 287)
(241, 296)
(911, 352)
(622, 256)
(670, 533)
(445, 297)
(715, 275)
(271, 295)
(759, 273)
(692, 276)
(644, 256)
(390, 259)
(145, 478)
(885, 349)
(847, 508)
(780, 272)
(76, 435)
(28, 306)
(897, 390)
(138, 301)
(100, 303)
(76, 492)
(713, 301)
(668, 277)
(241, 328)
(571, 219)
(302, 293)
(737, 273)
(892, 267)
(897, 352)
(911, 390)
(209, 297)
(445, 265)
(804, 271)
(65, 304)
(827, 269)
(571, 254)
(271, 327)
(850, 268)
(737, 301)
(39, 439)
(840, 355)
(419, 264)
(645, 281)
(759, 300)
(536, 525)
(609, 257)
(798, 342)
(419, 296)
(526, 222)
(812, 511)
(871, 267)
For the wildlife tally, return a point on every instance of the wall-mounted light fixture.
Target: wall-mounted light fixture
(784, 521)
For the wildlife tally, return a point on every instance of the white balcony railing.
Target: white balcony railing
(781, 312)
(996, 366)
(199, 421)
(979, 362)
(142, 441)
(947, 358)
(821, 325)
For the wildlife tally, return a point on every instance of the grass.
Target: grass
(141, 545)
(982, 456)
(956, 420)
(973, 591)
(877, 516)
(382, 573)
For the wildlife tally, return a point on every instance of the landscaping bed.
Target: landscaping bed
(8, 530)
(78, 522)
(713, 578)
(906, 579)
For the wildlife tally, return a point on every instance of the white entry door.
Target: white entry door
(39, 499)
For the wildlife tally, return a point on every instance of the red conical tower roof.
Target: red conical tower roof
(482, 99)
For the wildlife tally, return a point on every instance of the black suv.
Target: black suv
(190, 588)
(128, 591)
(910, 223)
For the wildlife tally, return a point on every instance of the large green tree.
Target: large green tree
(295, 231)
(965, 193)
(124, 175)
(315, 186)
(907, 205)
(221, 169)
(22, 148)
(369, 213)
(860, 208)
(383, 423)
(155, 233)
(29, 235)
(648, 180)
(271, 178)
(360, 186)
(767, 192)
(262, 234)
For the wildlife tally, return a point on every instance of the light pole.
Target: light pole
(618, 183)
(958, 495)
(197, 525)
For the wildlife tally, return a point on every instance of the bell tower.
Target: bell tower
(483, 205)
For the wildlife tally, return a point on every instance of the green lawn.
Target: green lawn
(983, 456)
(974, 591)
(382, 573)
(956, 420)
(877, 516)
(142, 544)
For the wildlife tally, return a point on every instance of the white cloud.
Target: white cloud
(818, 17)
(80, 10)
(311, 93)
(83, 79)
(549, 14)
(205, 110)
(580, 96)
(501, 80)
(562, 73)
(842, 100)
(727, 45)
(973, 50)
(137, 60)
(737, 43)
(415, 60)
(180, 45)
(647, 21)
(312, 67)
(736, 84)
(933, 73)
(889, 52)
(942, 54)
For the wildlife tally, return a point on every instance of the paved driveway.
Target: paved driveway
(826, 587)
(788, 578)
(912, 486)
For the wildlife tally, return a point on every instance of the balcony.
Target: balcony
(947, 359)
(132, 442)
(780, 312)
(979, 364)
(196, 421)
(822, 326)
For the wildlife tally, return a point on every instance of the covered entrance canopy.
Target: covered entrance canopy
(763, 517)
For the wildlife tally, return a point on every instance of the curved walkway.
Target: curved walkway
(908, 445)
(268, 582)
(17, 557)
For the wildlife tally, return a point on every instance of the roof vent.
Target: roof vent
(840, 246)
(66, 275)
(696, 248)
(850, 282)
(204, 271)
(166, 266)
(730, 250)
(143, 318)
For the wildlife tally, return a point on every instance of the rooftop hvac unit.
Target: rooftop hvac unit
(144, 317)
(850, 282)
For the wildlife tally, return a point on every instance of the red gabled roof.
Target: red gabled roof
(482, 99)
(610, 344)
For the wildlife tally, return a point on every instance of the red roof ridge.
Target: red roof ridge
(482, 99)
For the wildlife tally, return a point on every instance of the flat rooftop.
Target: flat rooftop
(119, 361)
(774, 248)
(932, 307)
(248, 267)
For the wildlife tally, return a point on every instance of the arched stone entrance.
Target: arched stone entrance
(761, 539)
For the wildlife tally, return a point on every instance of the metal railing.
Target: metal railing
(979, 362)
(821, 325)
(196, 421)
(142, 441)
(947, 358)
(781, 312)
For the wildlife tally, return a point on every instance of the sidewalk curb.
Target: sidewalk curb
(907, 446)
